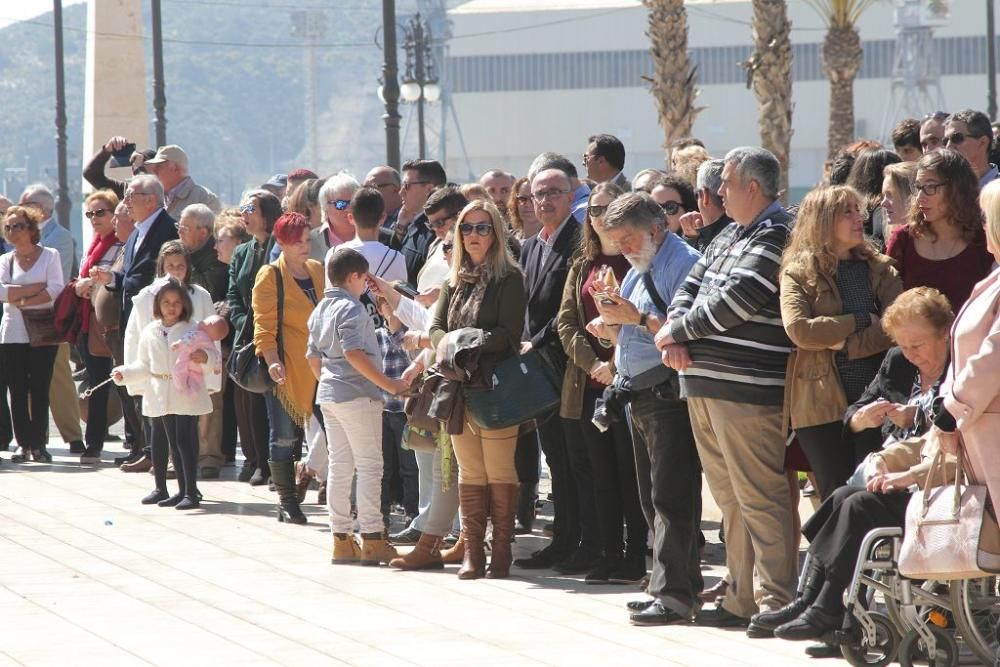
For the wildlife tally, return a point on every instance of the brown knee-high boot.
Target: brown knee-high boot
(503, 507)
(472, 503)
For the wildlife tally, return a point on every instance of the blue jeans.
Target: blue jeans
(283, 434)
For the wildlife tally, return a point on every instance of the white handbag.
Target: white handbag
(943, 528)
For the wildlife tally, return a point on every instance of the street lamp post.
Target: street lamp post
(63, 205)
(389, 91)
(420, 82)
(991, 61)
(159, 93)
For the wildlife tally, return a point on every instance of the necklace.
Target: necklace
(28, 259)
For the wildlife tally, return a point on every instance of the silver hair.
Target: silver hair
(757, 164)
(636, 209)
(710, 178)
(148, 183)
(550, 160)
(200, 214)
(40, 195)
(340, 183)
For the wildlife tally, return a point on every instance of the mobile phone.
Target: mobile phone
(604, 298)
(406, 289)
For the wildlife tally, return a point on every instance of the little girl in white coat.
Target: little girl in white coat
(174, 414)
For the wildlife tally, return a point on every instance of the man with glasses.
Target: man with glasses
(413, 236)
(932, 131)
(386, 180)
(581, 191)
(969, 133)
(335, 200)
(605, 160)
(545, 259)
(153, 227)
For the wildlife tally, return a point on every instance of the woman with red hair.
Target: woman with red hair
(296, 282)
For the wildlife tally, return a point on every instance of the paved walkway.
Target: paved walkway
(92, 577)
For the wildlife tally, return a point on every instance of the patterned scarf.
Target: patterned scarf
(463, 311)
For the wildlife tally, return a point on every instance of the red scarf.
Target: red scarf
(98, 249)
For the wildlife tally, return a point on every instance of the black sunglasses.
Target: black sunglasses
(955, 138)
(438, 224)
(480, 229)
(16, 227)
(99, 213)
(671, 207)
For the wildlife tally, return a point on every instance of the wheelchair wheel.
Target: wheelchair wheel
(913, 652)
(975, 604)
(880, 650)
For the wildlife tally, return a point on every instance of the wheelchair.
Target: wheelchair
(890, 617)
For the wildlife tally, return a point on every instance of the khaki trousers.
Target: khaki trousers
(63, 400)
(210, 433)
(742, 450)
(485, 456)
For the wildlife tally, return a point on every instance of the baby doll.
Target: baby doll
(189, 376)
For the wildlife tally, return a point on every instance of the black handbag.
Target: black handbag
(244, 367)
(524, 387)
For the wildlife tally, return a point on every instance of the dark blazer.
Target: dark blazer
(894, 383)
(545, 284)
(415, 246)
(140, 263)
(243, 267)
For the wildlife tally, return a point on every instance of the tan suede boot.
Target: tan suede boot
(375, 549)
(472, 503)
(345, 549)
(503, 507)
(454, 555)
(425, 556)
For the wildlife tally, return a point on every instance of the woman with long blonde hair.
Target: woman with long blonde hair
(834, 287)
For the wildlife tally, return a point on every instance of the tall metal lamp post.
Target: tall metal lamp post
(389, 90)
(63, 204)
(159, 92)
(420, 81)
(991, 61)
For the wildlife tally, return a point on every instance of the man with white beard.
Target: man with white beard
(666, 459)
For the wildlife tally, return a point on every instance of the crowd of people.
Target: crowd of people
(693, 324)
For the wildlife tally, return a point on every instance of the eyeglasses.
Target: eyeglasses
(479, 228)
(929, 189)
(339, 204)
(99, 213)
(955, 138)
(438, 224)
(596, 211)
(547, 194)
(671, 207)
(16, 227)
(248, 209)
(129, 194)
(409, 184)
(447, 247)
(379, 186)
(523, 199)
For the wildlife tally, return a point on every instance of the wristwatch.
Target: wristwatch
(643, 318)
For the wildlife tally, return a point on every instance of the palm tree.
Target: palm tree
(842, 58)
(674, 78)
(769, 73)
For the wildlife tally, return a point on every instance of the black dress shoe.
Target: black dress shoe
(657, 614)
(814, 623)
(540, 560)
(629, 571)
(600, 574)
(580, 561)
(639, 605)
(755, 631)
(720, 618)
(772, 619)
(824, 650)
(155, 497)
(133, 456)
(188, 503)
(77, 447)
(172, 501)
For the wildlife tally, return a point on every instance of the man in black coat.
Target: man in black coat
(153, 228)
(545, 259)
(413, 236)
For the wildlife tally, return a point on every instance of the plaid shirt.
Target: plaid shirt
(395, 360)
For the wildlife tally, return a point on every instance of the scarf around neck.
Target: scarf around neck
(463, 311)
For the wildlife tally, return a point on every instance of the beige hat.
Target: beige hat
(172, 153)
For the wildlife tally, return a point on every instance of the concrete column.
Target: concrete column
(116, 99)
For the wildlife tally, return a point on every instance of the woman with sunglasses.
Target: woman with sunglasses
(335, 200)
(943, 244)
(485, 291)
(521, 209)
(99, 207)
(676, 197)
(30, 278)
(260, 210)
(615, 492)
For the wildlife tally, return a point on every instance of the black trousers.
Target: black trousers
(836, 529)
(29, 372)
(832, 457)
(566, 530)
(669, 476)
(399, 466)
(6, 428)
(251, 421)
(583, 483)
(229, 421)
(615, 487)
(98, 370)
(179, 433)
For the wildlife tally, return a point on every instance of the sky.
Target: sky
(12, 11)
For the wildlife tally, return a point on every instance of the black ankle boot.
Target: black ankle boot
(769, 620)
(283, 476)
